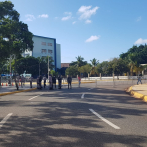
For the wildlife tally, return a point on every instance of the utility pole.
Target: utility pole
(39, 68)
(15, 68)
(10, 70)
(48, 68)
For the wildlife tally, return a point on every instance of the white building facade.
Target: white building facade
(44, 46)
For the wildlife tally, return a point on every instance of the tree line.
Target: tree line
(128, 63)
(15, 37)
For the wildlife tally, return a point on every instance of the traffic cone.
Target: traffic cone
(2, 84)
(6, 84)
(12, 84)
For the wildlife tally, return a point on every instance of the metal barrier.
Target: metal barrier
(119, 82)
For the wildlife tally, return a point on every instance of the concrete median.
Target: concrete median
(13, 92)
(135, 92)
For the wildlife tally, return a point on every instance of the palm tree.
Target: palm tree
(80, 62)
(94, 63)
(132, 63)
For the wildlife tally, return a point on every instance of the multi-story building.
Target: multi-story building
(45, 46)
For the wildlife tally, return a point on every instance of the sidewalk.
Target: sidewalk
(139, 91)
(6, 90)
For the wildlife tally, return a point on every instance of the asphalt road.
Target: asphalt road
(79, 117)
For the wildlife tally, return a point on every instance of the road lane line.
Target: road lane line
(5, 119)
(35, 96)
(105, 120)
(90, 89)
(82, 96)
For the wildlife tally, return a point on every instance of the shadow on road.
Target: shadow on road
(65, 121)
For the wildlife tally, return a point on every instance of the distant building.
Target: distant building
(44, 46)
(65, 65)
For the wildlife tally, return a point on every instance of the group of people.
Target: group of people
(52, 82)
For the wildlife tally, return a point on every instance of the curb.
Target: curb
(136, 94)
(8, 93)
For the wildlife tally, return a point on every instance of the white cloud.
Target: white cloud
(66, 18)
(92, 38)
(139, 18)
(86, 11)
(29, 17)
(88, 21)
(43, 16)
(74, 22)
(68, 13)
(141, 41)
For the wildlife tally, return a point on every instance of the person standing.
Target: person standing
(69, 81)
(79, 80)
(31, 79)
(38, 82)
(59, 82)
(22, 80)
(44, 78)
(139, 79)
(50, 82)
(17, 82)
(54, 81)
(40, 79)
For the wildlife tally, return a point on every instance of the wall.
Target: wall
(38, 46)
(58, 55)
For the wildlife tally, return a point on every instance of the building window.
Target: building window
(44, 57)
(49, 44)
(43, 43)
(50, 51)
(43, 51)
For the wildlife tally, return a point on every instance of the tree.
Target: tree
(31, 65)
(81, 69)
(15, 37)
(139, 54)
(94, 62)
(53, 73)
(103, 68)
(118, 66)
(87, 68)
(80, 62)
(3, 67)
(72, 70)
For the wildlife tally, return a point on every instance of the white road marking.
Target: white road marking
(82, 96)
(90, 89)
(105, 120)
(35, 97)
(5, 119)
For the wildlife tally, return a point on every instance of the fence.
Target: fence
(118, 82)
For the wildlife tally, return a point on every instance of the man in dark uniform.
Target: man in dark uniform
(44, 78)
(40, 79)
(69, 80)
(59, 82)
(54, 81)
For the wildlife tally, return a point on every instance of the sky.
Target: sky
(101, 29)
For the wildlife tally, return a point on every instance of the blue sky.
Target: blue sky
(100, 29)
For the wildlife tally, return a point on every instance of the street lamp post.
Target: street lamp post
(48, 67)
(39, 68)
(10, 70)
